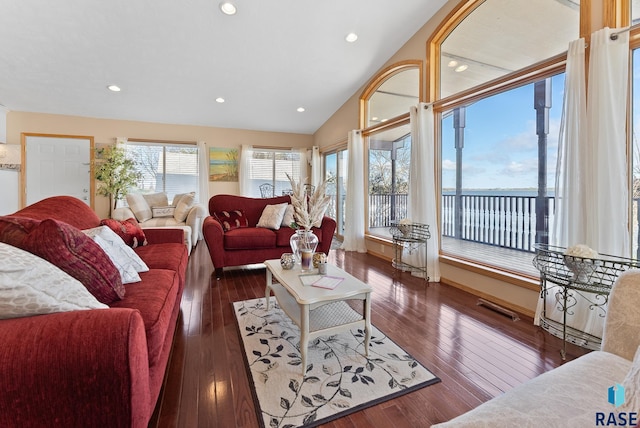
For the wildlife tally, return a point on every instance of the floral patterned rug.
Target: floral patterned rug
(338, 380)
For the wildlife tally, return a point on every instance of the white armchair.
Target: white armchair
(154, 211)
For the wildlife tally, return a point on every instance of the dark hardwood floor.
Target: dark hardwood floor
(478, 353)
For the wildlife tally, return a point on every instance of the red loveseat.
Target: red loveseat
(98, 367)
(253, 244)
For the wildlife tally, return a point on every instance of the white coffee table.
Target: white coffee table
(319, 311)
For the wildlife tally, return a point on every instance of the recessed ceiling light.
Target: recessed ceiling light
(383, 120)
(220, 100)
(351, 37)
(228, 8)
(374, 118)
(300, 109)
(114, 88)
(452, 63)
(460, 68)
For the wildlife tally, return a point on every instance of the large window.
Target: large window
(388, 100)
(498, 173)
(165, 167)
(335, 167)
(389, 158)
(269, 169)
(499, 126)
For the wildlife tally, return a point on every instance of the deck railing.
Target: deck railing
(505, 221)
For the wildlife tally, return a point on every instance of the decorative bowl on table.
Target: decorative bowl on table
(582, 262)
(287, 261)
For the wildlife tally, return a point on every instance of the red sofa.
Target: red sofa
(253, 244)
(99, 367)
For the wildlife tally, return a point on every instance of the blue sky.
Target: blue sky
(501, 145)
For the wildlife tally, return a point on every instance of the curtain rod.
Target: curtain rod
(614, 36)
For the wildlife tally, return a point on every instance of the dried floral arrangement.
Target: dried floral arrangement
(308, 207)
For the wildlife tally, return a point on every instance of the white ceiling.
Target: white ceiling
(172, 58)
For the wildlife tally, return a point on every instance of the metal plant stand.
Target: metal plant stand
(577, 278)
(412, 236)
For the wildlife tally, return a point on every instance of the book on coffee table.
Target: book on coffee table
(322, 281)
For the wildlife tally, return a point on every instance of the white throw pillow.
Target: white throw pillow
(288, 217)
(30, 285)
(139, 206)
(184, 206)
(163, 211)
(272, 215)
(631, 384)
(156, 199)
(123, 257)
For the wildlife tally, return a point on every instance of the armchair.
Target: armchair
(153, 211)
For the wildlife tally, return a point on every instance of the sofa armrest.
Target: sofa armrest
(164, 235)
(122, 213)
(81, 368)
(214, 238)
(327, 229)
(194, 219)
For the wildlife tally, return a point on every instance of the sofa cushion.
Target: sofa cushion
(76, 254)
(247, 238)
(129, 230)
(162, 256)
(252, 207)
(631, 384)
(30, 285)
(288, 216)
(14, 229)
(567, 396)
(128, 263)
(183, 206)
(272, 216)
(232, 219)
(155, 297)
(158, 199)
(71, 210)
(139, 206)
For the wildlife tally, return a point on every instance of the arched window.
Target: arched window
(497, 83)
(385, 116)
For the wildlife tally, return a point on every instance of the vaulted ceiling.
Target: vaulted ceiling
(173, 59)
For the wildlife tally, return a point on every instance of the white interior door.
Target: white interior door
(57, 165)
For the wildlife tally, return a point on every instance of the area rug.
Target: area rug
(339, 379)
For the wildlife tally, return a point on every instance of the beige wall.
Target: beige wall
(105, 131)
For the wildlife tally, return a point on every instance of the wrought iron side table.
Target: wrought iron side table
(589, 279)
(412, 236)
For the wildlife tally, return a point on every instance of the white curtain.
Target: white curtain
(570, 187)
(591, 183)
(203, 173)
(422, 204)
(607, 212)
(570, 191)
(355, 198)
(316, 166)
(244, 170)
(303, 166)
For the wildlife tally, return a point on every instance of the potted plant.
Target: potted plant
(116, 173)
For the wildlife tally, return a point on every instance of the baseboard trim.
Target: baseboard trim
(488, 297)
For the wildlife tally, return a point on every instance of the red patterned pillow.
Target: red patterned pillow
(129, 230)
(13, 229)
(232, 219)
(78, 255)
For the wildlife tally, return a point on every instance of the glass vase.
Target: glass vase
(303, 240)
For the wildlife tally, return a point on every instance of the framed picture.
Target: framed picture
(223, 164)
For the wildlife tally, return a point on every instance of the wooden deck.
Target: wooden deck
(477, 352)
(512, 260)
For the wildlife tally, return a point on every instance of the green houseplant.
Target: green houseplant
(115, 172)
